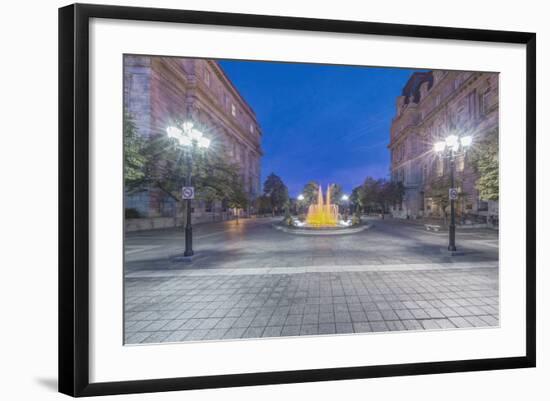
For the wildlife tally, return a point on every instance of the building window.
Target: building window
(233, 110)
(460, 163)
(424, 173)
(456, 83)
(439, 167)
(482, 206)
(207, 77)
(251, 129)
(437, 100)
(472, 104)
(484, 103)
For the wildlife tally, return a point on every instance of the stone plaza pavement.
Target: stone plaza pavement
(283, 296)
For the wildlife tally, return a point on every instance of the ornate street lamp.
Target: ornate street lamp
(450, 147)
(190, 139)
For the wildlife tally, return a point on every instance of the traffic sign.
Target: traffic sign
(453, 193)
(188, 193)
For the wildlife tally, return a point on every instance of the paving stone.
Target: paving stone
(378, 326)
(404, 314)
(234, 333)
(343, 328)
(157, 337)
(253, 332)
(412, 324)
(326, 318)
(272, 331)
(292, 330)
(309, 329)
(490, 320)
(208, 323)
(311, 318)
(395, 325)
(136, 338)
(476, 321)
(374, 316)
(429, 324)
(177, 336)
(160, 302)
(277, 320)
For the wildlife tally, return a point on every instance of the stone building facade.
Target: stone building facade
(433, 105)
(160, 90)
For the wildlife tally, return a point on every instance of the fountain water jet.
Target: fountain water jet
(322, 214)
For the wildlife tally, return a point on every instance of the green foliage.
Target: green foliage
(484, 158)
(356, 198)
(377, 194)
(165, 165)
(131, 213)
(276, 191)
(336, 193)
(438, 190)
(134, 159)
(263, 204)
(310, 192)
(237, 197)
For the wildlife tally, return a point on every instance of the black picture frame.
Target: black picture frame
(74, 201)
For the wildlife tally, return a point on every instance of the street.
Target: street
(249, 280)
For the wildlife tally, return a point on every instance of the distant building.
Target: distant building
(433, 104)
(158, 90)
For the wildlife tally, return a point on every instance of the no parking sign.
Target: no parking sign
(188, 193)
(453, 193)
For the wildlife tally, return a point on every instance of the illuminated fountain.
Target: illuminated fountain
(322, 219)
(322, 214)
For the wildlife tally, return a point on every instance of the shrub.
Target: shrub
(131, 213)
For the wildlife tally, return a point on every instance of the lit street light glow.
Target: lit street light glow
(190, 138)
(439, 146)
(345, 197)
(452, 144)
(204, 142)
(466, 140)
(188, 135)
(300, 197)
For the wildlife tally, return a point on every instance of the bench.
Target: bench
(432, 227)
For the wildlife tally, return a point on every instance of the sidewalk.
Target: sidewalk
(234, 305)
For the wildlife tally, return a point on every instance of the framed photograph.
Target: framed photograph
(251, 199)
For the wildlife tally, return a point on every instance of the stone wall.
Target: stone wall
(160, 91)
(433, 105)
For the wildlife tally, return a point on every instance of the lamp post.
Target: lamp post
(299, 205)
(450, 147)
(190, 139)
(345, 199)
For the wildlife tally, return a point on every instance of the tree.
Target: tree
(134, 159)
(263, 204)
(439, 192)
(310, 192)
(166, 165)
(484, 157)
(356, 198)
(371, 194)
(336, 193)
(277, 192)
(237, 198)
(392, 193)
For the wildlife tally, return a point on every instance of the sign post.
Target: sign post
(453, 193)
(188, 193)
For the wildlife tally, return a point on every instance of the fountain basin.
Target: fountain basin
(337, 230)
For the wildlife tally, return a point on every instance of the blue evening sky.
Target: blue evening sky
(329, 124)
